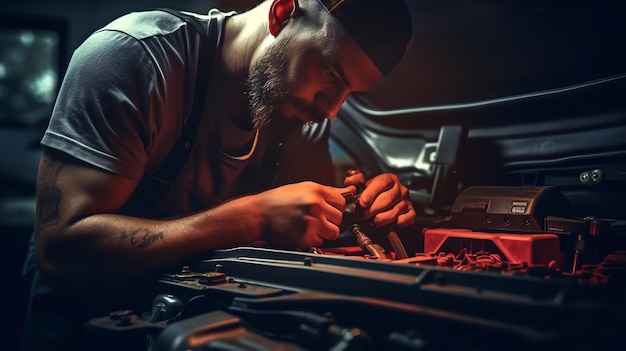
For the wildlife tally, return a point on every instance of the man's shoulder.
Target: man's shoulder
(154, 22)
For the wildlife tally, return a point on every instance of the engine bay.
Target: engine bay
(506, 269)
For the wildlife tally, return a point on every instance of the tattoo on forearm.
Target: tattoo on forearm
(140, 238)
(48, 176)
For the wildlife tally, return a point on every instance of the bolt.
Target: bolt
(584, 177)
(596, 175)
(432, 157)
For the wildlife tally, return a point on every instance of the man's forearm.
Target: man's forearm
(111, 245)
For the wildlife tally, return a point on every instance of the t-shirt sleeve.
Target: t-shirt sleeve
(107, 109)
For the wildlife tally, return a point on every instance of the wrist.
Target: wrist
(249, 216)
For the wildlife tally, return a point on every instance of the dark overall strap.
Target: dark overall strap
(159, 185)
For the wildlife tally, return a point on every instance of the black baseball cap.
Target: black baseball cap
(382, 28)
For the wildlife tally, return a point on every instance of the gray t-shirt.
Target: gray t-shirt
(121, 107)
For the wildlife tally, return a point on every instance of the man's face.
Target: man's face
(305, 76)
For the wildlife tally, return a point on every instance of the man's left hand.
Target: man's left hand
(383, 201)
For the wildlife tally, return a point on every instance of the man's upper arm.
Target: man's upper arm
(69, 190)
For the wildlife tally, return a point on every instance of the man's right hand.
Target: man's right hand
(302, 215)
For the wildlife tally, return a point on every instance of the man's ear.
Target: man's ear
(280, 12)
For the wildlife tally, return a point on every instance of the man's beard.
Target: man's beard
(266, 87)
